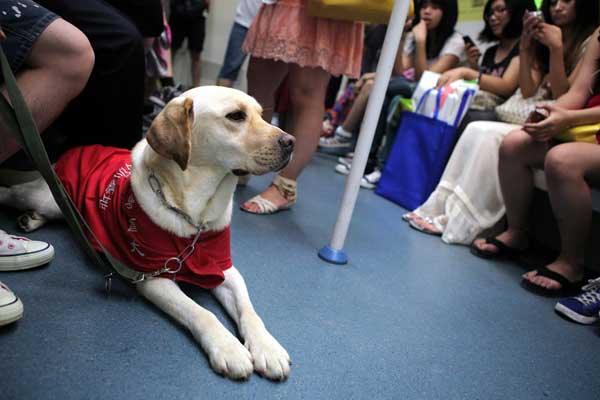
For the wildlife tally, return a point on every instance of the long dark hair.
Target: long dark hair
(587, 19)
(516, 9)
(435, 42)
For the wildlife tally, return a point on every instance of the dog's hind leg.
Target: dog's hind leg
(226, 354)
(34, 197)
(270, 358)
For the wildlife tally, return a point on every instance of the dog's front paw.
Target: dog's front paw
(228, 356)
(30, 221)
(270, 358)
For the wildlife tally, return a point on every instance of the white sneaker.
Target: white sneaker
(347, 161)
(17, 252)
(343, 169)
(11, 308)
(371, 180)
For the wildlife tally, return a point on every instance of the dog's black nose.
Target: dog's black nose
(286, 141)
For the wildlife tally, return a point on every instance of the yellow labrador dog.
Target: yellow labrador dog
(182, 176)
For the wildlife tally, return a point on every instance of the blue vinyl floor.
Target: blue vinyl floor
(408, 318)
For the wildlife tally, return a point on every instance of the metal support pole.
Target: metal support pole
(334, 253)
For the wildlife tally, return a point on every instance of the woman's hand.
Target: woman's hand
(420, 32)
(548, 35)
(558, 121)
(450, 76)
(361, 81)
(473, 55)
(530, 24)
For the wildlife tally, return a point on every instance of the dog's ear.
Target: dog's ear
(170, 134)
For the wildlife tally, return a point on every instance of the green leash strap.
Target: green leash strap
(18, 119)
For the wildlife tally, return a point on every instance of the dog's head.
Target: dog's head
(218, 126)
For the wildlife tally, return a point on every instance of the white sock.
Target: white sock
(341, 132)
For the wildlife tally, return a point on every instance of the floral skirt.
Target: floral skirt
(284, 31)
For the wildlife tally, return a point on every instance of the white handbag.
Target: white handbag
(517, 108)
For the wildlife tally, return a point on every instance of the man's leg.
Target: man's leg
(52, 68)
(196, 33)
(196, 67)
(234, 56)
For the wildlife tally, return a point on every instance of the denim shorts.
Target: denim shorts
(22, 21)
(234, 56)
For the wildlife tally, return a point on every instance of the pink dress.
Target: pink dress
(284, 31)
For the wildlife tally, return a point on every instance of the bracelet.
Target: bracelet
(479, 76)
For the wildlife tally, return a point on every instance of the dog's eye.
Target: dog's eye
(236, 116)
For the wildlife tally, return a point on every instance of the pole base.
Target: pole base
(333, 256)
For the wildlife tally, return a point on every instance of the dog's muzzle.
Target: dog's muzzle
(286, 145)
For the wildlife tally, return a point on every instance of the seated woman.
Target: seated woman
(498, 73)
(569, 169)
(467, 201)
(430, 44)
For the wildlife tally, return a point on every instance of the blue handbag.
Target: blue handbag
(419, 155)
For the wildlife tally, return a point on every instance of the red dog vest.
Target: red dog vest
(97, 179)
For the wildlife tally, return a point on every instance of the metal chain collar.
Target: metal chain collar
(157, 189)
(174, 264)
(177, 262)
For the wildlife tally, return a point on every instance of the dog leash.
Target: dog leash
(18, 119)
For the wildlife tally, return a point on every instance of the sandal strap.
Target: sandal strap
(555, 276)
(501, 246)
(286, 187)
(265, 206)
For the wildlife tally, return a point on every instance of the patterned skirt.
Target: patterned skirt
(285, 32)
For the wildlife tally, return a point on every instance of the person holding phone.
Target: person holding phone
(569, 168)
(468, 200)
(498, 72)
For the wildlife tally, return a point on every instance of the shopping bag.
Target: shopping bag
(418, 156)
(458, 95)
(376, 11)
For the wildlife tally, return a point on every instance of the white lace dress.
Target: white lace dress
(468, 199)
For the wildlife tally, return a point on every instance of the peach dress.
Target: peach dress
(284, 31)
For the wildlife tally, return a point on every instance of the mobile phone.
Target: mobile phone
(468, 41)
(537, 14)
(537, 115)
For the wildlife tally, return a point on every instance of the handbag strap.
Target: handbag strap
(19, 120)
(438, 101)
(463, 104)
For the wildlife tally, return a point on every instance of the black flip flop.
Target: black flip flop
(504, 251)
(567, 288)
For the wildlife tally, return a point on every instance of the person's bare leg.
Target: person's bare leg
(518, 154)
(307, 94)
(196, 67)
(569, 167)
(264, 77)
(56, 71)
(357, 111)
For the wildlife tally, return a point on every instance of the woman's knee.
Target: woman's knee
(563, 163)
(515, 145)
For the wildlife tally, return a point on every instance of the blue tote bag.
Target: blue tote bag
(419, 155)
